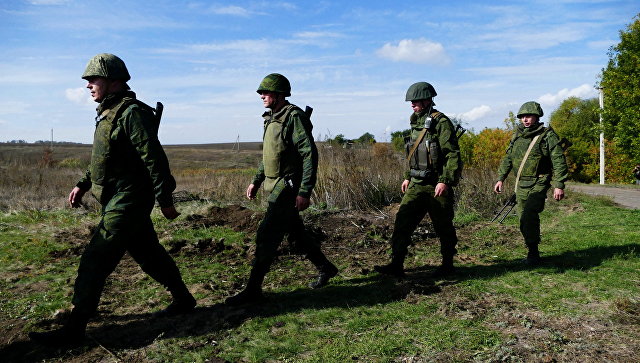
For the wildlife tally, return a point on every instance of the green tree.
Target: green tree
(621, 86)
(578, 121)
(366, 138)
(511, 121)
(398, 137)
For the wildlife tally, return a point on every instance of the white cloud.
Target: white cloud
(583, 91)
(77, 95)
(419, 51)
(48, 2)
(315, 35)
(231, 10)
(476, 113)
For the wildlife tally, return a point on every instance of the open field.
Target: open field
(582, 304)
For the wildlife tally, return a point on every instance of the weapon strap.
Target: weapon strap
(421, 136)
(524, 159)
(418, 141)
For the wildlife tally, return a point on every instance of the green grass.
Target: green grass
(485, 313)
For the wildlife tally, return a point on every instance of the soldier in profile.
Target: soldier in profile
(288, 172)
(129, 171)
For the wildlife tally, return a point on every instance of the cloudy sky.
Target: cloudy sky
(351, 60)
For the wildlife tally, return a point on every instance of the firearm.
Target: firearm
(308, 110)
(506, 208)
(159, 108)
(460, 131)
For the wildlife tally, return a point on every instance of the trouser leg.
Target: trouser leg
(146, 250)
(530, 204)
(412, 210)
(441, 214)
(99, 259)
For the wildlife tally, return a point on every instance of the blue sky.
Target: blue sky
(351, 60)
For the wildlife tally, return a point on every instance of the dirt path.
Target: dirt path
(626, 197)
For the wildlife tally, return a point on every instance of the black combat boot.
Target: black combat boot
(394, 268)
(533, 256)
(252, 293)
(71, 334)
(326, 273)
(446, 268)
(183, 302)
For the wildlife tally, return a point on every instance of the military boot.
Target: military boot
(252, 293)
(326, 273)
(71, 334)
(533, 256)
(394, 268)
(183, 302)
(446, 268)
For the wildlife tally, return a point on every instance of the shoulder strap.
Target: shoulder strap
(526, 156)
(418, 141)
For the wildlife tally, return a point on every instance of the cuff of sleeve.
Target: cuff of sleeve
(304, 193)
(257, 183)
(84, 185)
(558, 185)
(165, 201)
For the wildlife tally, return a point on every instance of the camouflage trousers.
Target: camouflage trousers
(530, 203)
(282, 218)
(417, 201)
(117, 233)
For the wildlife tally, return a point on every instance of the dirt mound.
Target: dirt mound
(236, 217)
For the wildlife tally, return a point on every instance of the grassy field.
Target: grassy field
(582, 304)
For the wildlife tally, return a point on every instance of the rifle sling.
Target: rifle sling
(418, 141)
(524, 159)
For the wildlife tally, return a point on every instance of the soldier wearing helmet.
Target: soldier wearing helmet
(288, 174)
(128, 172)
(536, 156)
(434, 169)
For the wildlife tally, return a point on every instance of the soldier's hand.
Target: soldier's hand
(558, 194)
(441, 190)
(302, 203)
(170, 212)
(75, 197)
(498, 187)
(251, 191)
(404, 186)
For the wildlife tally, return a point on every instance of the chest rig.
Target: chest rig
(423, 149)
(105, 167)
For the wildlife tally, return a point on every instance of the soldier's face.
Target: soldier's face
(529, 120)
(269, 99)
(98, 87)
(419, 105)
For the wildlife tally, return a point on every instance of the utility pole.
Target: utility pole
(601, 137)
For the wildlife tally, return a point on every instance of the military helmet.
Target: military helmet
(108, 66)
(275, 82)
(530, 108)
(420, 91)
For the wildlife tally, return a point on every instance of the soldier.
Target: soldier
(128, 170)
(435, 168)
(537, 154)
(288, 173)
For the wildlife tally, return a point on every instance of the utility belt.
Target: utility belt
(429, 176)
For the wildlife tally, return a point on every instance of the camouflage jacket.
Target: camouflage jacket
(133, 165)
(546, 161)
(442, 133)
(300, 147)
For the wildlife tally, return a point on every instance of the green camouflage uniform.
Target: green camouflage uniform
(288, 169)
(419, 198)
(128, 170)
(546, 166)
